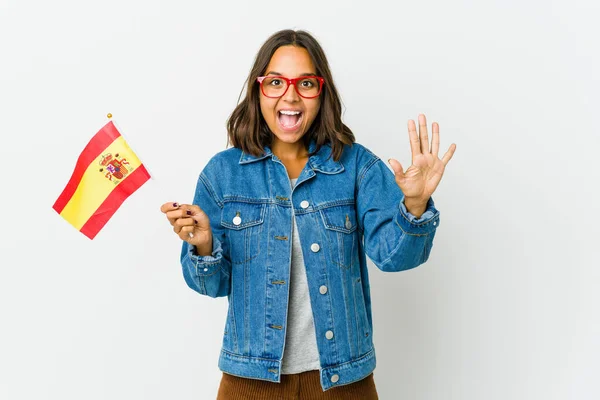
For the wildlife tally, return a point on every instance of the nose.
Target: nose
(290, 94)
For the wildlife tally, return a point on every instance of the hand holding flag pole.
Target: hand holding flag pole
(191, 224)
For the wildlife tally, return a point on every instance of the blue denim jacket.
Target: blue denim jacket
(343, 211)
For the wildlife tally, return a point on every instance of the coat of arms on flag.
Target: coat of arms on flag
(107, 172)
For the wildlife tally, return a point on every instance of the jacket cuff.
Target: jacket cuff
(206, 265)
(411, 225)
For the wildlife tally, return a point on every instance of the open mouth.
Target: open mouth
(289, 120)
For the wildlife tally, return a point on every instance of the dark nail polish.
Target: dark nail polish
(188, 212)
(175, 205)
(195, 221)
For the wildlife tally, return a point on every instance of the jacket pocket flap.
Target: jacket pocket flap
(340, 218)
(239, 215)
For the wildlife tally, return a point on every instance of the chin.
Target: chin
(289, 137)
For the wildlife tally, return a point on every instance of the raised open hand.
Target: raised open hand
(421, 179)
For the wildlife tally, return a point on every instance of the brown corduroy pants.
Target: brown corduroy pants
(302, 386)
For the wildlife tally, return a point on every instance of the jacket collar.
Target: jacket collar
(319, 162)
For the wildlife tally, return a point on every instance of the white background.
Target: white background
(507, 305)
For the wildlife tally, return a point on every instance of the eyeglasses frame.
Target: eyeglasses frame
(291, 82)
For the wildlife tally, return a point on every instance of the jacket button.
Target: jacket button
(237, 220)
(335, 378)
(329, 334)
(323, 289)
(348, 224)
(315, 247)
(304, 204)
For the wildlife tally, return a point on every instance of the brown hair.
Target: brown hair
(248, 130)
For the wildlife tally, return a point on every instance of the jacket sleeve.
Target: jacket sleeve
(208, 275)
(393, 239)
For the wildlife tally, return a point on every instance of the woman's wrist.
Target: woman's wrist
(415, 206)
(203, 249)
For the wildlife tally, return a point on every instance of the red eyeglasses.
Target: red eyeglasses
(273, 86)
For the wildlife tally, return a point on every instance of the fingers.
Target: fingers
(181, 223)
(172, 216)
(181, 211)
(397, 168)
(186, 233)
(171, 211)
(435, 139)
(448, 156)
(193, 209)
(423, 136)
(169, 207)
(415, 146)
(183, 218)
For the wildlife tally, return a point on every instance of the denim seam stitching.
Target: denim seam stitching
(394, 251)
(210, 274)
(210, 190)
(249, 357)
(366, 169)
(351, 361)
(209, 263)
(409, 233)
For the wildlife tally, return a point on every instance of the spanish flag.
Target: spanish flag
(106, 174)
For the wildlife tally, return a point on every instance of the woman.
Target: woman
(282, 221)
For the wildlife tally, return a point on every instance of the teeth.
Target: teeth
(286, 112)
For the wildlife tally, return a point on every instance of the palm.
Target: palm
(422, 178)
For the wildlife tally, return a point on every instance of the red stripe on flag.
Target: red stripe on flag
(114, 200)
(101, 140)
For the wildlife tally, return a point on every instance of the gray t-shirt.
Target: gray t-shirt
(300, 352)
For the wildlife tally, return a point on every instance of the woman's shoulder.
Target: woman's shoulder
(223, 159)
(358, 154)
(227, 154)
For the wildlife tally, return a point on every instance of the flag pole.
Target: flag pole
(109, 116)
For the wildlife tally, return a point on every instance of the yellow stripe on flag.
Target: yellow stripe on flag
(95, 187)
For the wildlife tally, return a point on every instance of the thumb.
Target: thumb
(397, 168)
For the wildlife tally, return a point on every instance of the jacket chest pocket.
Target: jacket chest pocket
(340, 226)
(244, 224)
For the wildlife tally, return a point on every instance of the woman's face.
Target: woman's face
(289, 116)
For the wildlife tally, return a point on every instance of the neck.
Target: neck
(289, 151)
